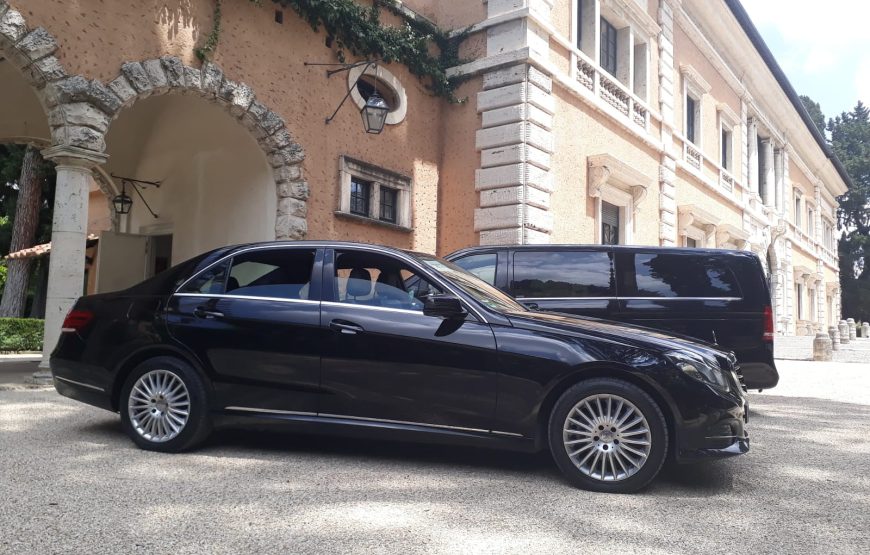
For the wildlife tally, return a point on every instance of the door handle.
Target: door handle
(345, 327)
(201, 312)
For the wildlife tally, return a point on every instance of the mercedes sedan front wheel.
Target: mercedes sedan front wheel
(608, 435)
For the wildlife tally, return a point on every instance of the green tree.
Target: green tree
(850, 140)
(815, 111)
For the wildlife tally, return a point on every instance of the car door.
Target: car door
(385, 360)
(253, 321)
(689, 293)
(571, 280)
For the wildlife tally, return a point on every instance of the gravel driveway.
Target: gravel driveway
(72, 483)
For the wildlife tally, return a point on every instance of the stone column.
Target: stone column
(668, 167)
(778, 181)
(752, 144)
(865, 330)
(69, 230)
(769, 173)
(822, 347)
(851, 323)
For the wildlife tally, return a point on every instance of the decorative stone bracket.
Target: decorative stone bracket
(726, 233)
(606, 171)
(692, 216)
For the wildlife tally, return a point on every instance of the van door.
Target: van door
(572, 280)
(693, 293)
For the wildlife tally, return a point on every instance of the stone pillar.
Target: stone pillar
(769, 173)
(69, 228)
(865, 330)
(778, 180)
(668, 167)
(752, 144)
(851, 323)
(835, 338)
(822, 347)
(844, 332)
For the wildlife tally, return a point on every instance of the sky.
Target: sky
(823, 47)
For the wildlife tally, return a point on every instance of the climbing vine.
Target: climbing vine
(357, 30)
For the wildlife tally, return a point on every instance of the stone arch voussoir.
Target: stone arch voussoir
(168, 75)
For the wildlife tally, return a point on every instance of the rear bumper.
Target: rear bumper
(759, 375)
(82, 383)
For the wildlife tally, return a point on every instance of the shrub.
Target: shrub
(21, 334)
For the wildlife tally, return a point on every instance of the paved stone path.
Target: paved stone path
(72, 482)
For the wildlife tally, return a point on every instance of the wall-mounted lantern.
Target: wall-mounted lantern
(123, 203)
(374, 112)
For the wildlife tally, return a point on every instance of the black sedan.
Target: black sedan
(359, 339)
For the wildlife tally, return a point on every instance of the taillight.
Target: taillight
(77, 320)
(768, 324)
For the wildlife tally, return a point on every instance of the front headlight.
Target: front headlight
(698, 368)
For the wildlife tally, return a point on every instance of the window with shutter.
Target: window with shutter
(609, 224)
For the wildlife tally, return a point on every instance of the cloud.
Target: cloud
(822, 35)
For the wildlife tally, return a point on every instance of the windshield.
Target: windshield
(481, 291)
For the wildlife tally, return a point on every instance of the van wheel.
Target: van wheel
(164, 406)
(608, 435)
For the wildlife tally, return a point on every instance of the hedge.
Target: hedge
(21, 334)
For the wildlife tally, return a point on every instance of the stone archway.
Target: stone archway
(167, 75)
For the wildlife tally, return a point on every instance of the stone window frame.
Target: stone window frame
(797, 198)
(632, 63)
(378, 177)
(729, 121)
(697, 88)
(614, 182)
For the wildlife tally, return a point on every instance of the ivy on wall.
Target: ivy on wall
(357, 30)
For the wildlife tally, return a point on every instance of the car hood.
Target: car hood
(636, 336)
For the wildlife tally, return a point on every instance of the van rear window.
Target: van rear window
(562, 274)
(678, 275)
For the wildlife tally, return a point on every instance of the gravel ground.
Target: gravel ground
(801, 348)
(72, 483)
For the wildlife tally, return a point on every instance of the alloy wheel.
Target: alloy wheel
(607, 437)
(159, 406)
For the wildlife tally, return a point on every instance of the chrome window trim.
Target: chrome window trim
(368, 419)
(339, 304)
(522, 299)
(247, 297)
(242, 251)
(89, 386)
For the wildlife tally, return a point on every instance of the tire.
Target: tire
(610, 435)
(153, 401)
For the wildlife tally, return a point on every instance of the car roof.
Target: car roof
(568, 246)
(314, 244)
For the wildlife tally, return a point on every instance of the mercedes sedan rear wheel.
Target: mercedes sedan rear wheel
(164, 406)
(608, 435)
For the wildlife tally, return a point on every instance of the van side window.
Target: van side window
(481, 265)
(563, 274)
(679, 275)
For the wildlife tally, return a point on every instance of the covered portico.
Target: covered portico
(218, 152)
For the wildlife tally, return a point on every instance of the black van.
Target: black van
(720, 296)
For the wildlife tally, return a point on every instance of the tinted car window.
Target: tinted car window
(679, 275)
(377, 280)
(481, 265)
(278, 273)
(210, 282)
(563, 274)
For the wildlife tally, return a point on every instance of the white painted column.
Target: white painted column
(69, 228)
(752, 145)
(779, 182)
(667, 169)
(769, 174)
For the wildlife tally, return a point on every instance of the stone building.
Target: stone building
(659, 122)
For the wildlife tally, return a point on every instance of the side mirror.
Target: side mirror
(443, 306)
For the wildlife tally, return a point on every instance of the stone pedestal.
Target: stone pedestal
(851, 323)
(834, 334)
(822, 347)
(844, 332)
(865, 330)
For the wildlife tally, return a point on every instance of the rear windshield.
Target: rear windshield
(677, 275)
